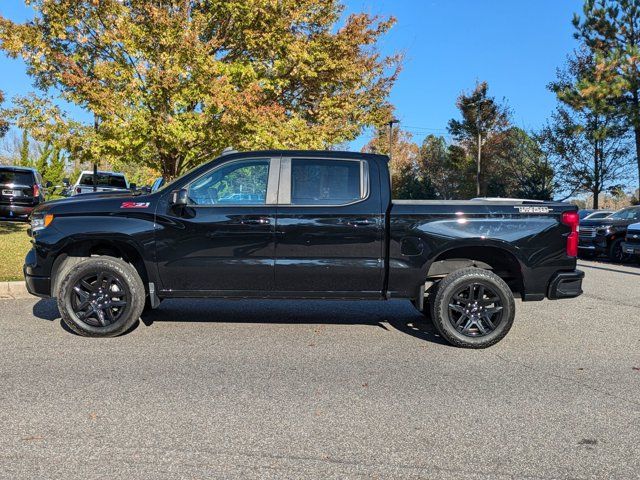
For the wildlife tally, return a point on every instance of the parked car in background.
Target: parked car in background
(158, 182)
(585, 213)
(631, 244)
(105, 182)
(598, 214)
(301, 224)
(604, 236)
(21, 190)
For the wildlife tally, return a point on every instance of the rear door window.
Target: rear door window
(326, 182)
(16, 177)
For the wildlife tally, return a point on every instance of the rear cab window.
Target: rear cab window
(103, 180)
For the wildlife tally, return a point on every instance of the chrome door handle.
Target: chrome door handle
(365, 222)
(255, 221)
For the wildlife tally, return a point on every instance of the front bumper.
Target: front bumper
(596, 244)
(565, 285)
(39, 286)
(631, 248)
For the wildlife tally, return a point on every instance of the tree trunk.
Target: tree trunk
(636, 132)
(596, 175)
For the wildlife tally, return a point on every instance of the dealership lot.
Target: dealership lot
(334, 390)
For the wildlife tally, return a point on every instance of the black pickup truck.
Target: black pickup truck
(301, 224)
(606, 235)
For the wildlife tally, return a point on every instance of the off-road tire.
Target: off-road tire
(460, 279)
(126, 276)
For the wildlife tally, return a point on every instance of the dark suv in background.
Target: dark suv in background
(21, 190)
(606, 235)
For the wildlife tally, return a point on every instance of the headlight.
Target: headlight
(38, 222)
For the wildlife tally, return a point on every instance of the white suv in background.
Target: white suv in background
(105, 182)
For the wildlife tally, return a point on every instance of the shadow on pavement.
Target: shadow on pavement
(397, 314)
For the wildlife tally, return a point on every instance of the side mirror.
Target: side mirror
(180, 198)
(47, 184)
(65, 182)
(133, 186)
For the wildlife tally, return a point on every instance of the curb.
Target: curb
(14, 290)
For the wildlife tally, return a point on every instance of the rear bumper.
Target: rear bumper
(565, 285)
(631, 248)
(15, 211)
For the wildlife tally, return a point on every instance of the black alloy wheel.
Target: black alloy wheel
(472, 308)
(100, 296)
(99, 299)
(475, 310)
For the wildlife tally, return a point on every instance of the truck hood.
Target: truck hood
(97, 203)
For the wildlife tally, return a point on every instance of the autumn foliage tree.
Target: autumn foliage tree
(173, 82)
(4, 123)
(409, 180)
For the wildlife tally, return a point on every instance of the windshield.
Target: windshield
(103, 180)
(631, 213)
(16, 177)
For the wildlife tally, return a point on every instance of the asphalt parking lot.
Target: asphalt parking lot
(326, 390)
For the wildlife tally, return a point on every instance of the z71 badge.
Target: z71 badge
(135, 205)
(533, 209)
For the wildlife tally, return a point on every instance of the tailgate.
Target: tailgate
(16, 194)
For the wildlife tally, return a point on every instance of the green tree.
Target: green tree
(528, 167)
(25, 150)
(611, 30)
(587, 135)
(408, 179)
(449, 171)
(173, 82)
(481, 130)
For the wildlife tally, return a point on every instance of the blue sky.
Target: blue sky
(515, 45)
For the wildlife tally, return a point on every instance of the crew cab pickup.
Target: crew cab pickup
(301, 224)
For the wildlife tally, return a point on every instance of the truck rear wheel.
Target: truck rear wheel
(473, 308)
(100, 297)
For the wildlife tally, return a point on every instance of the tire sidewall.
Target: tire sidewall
(130, 281)
(444, 294)
(616, 244)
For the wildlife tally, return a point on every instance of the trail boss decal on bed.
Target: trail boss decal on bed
(534, 209)
(135, 205)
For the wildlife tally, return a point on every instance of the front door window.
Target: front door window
(238, 183)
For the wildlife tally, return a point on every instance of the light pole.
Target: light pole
(391, 123)
(479, 161)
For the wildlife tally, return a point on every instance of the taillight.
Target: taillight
(572, 220)
(36, 190)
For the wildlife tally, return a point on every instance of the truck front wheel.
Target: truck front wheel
(100, 297)
(473, 308)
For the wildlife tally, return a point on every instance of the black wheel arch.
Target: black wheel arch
(497, 259)
(124, 249)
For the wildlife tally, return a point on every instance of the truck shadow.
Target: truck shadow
(399, 315)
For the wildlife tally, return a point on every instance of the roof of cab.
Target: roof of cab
(306, 153)
(18, 167)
